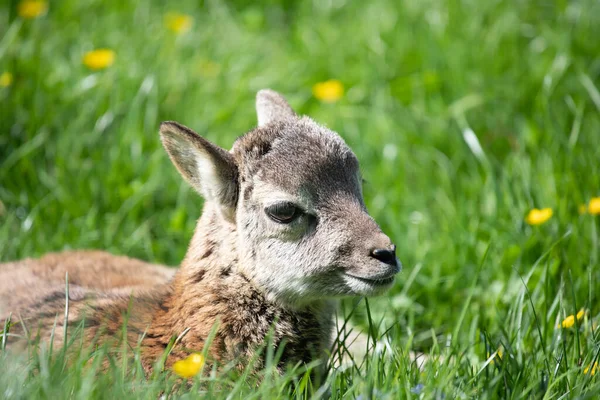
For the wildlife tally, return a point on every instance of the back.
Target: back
(28, 282)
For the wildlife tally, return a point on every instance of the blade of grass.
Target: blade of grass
(467, 303)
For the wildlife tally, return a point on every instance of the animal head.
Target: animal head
(292, 191)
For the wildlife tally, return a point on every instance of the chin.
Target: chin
(367, 287)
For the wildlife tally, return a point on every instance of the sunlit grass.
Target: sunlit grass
(465, 117)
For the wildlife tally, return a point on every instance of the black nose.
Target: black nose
(387, 256)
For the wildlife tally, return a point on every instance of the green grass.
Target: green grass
(81, 166)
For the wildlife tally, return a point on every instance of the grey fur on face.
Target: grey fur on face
(330, 246)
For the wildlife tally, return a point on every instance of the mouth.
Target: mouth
(374, 282)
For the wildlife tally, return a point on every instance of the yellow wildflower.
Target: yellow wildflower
(178, 23)
(329, 91)
(32, 9)
(570, 320)
(594, 207)
(582, 209)
(99, 59)
(6, 79)
(538, 217)
(189, 366)
(592, 370)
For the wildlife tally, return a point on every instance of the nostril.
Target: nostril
(387, 256)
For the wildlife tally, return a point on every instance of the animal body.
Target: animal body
(284, 233)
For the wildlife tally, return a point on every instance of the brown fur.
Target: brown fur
(104, 289)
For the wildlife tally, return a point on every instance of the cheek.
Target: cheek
(309, 255)
(277, 254)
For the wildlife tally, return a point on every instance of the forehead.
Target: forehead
(298, 156)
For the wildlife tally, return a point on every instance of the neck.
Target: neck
(211, 289)
(213, 250)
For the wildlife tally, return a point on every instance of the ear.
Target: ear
(210, 170)
(271, 106)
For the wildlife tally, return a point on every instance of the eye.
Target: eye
(284, 212)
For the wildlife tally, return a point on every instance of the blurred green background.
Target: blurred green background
(465, 115)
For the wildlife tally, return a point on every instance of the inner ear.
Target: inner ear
(271, 106)
(208, 168)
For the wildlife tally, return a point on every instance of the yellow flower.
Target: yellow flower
(99, 59)
(594, 207)
(6, 79)
(538, 217)
(189, 366)
(32, 9)
(593, 369)
(178, 23)
(329, 91)
(570, 320)
(582, 209)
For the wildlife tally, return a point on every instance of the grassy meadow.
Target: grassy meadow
(465, 115)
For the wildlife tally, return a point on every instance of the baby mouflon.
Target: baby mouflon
(284, 233)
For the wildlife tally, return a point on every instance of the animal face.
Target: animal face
(292, 188)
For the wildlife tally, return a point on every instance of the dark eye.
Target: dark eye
(284, 212)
